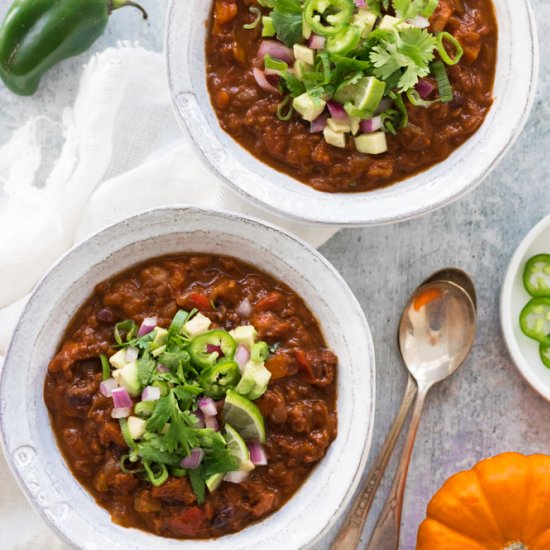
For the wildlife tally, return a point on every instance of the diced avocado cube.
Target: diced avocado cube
(305, 54)
(306, 29)
(371, 144)
(268, 29)
(254, 380)
(136, 427)
(310, 108)
(355, 124)
(245, 335)
(246, 466)
(365, 20)
(389, 23)
(118, 360)
(197, 325)
(214, 481)
(341, 126)
(337, 139)
(159, 338)
(300, 68)
(128, 378)
(156, 352)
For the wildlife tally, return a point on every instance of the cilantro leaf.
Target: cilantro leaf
(409, 9)
(197, 483)
(146, 366)
(161, 414)
(376, 6)
(408, 49)
(287, 20)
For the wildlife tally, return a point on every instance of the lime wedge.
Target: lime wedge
(366, 94)
(236, 445)
(244, 416)
(213, 482)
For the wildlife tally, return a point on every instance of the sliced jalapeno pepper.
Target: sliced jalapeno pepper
(536, 275)
(208, 348)
(345, 41)
(545, 355)
(217, 379)
(534, 320)
(328, 17)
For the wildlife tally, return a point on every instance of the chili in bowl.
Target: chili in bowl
(206, 376)
(352, 112)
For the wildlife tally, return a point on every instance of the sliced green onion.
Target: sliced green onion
(177, 322)
(354, 111)
(274, 64)
(401, 109)
(443, 84)
(156, 478)
(126, 433)
(266, 3)
(417, 101)
(430, 8)
(323, 62)
(259, 352)
(127, 328)
(144, 408)
(177, 472)
(105, 367)
(281, 115)
(446, 36)
(268, 28)
(125, 470)
(256, 11)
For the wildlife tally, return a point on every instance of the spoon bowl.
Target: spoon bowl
(437, 331)
(456, 276)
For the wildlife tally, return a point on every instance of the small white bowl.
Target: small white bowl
(27, 437)
(524, 350)
(464, 169)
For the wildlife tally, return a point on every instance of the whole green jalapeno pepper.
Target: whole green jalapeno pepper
(37, 34)
(219, 378)
(208, 348)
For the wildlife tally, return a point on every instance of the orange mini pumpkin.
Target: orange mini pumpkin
(502, 503)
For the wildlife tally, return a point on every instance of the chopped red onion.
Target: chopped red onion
(212, 348)
(276, 50)
(200, 418)
(316, 42)
(150, 393)
(235, 477)
(424, 87)
(162, 368)
(262, 81)
(121, 412)
(211, 422)
(107, 386)
(131, 354)
(192, 461)
(242, 355)
(360, 3)
(337, 111)
(121, 398)
(384, 105)
(148, 324)
(419, 22)
(318, 125)
(207, 406)
(257, 453)
(244, 309)
(371, 125)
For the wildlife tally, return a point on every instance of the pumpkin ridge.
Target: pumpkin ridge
(489, 507)
(463, 535)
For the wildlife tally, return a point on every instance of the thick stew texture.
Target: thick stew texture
(299, 405)
(249, 113)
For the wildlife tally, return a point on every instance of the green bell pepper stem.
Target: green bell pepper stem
(534, 320)
(328, 17)
(219, 378)
(536, 275)
(204, 357)
(37, 34)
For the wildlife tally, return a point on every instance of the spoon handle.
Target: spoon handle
(350, 532)
(386, 531)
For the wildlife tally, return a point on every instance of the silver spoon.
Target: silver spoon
(350, 532)
(436, 334)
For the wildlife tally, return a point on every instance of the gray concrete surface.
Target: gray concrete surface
(486, 407)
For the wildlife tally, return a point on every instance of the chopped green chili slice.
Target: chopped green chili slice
(128, 439)
(105, 367)
(156, 478)
(125, 329)
(285, 104)
(417, 101)
(259, 352)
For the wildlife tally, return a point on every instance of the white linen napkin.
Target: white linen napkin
(123, 153)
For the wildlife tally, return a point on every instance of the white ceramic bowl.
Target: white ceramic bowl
(516, 76)
(27, 437)
(524, 350)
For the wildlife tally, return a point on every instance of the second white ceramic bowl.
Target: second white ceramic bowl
(515, 83)
(27, 437)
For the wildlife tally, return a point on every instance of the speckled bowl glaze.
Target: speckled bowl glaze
(27, 437)
(514, 90)
(523, 350)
